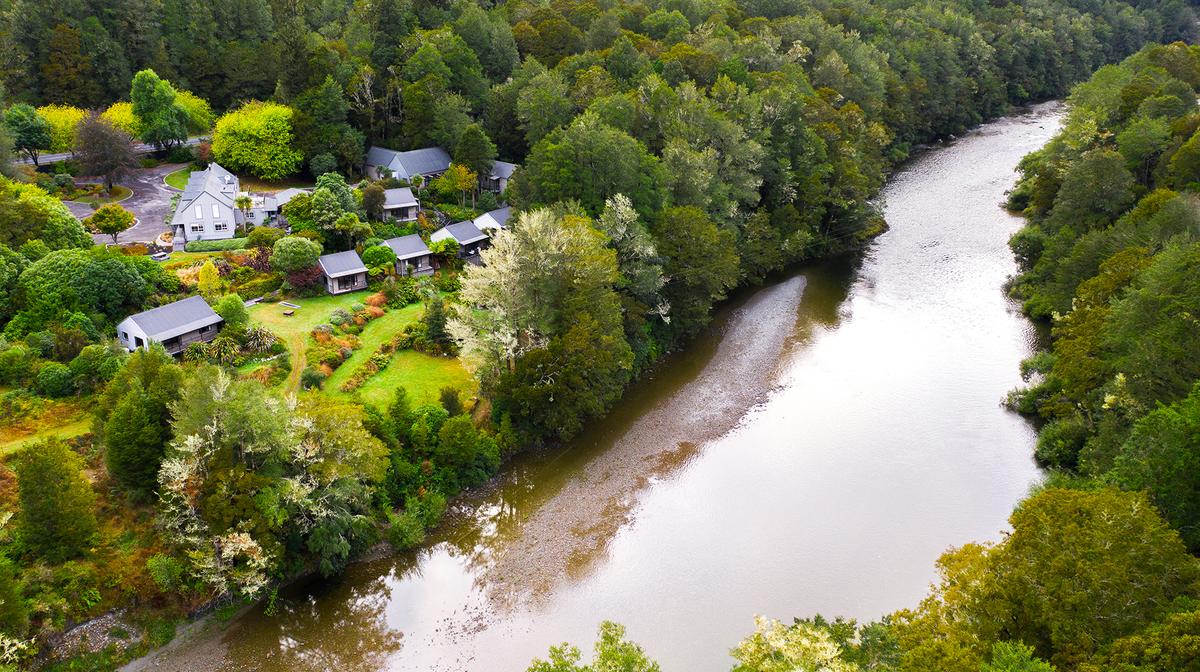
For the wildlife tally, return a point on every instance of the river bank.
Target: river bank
(730, 481)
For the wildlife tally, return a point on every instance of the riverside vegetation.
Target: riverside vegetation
(1099, 571)
(671, 151)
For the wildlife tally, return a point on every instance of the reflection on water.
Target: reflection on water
(814, 452)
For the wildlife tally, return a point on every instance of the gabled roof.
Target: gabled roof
(407, 247)
(399, 198)
(341, 263)
(423, 161)
(282, 197)
(176, 318)
(496, 219)
(214, 181)
(413, 162)
(464, 233)
(503, 169)
(379, 156)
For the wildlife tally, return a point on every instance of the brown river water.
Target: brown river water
(832, 434)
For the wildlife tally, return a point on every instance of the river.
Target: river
(832, 434)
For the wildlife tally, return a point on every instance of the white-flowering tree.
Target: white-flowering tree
(251, 481)
(775, 647)
(541, 325)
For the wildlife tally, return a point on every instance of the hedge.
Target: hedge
(216, 245)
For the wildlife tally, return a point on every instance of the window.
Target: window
(124, 336)
(222, 226)
(139, 342)
(199, 212)
(216, 211)
(197, 228)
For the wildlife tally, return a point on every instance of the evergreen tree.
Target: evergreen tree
(58, 518)
(132, 418)
(475, 150)
(67, 73)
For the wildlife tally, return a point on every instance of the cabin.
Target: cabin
(206, 210)
(491, 222)
(497, 181)
(400, 205)
(471, 241)
(412, 255)
(272, 206)
(428, 163)
(175, 326)
(343, 272)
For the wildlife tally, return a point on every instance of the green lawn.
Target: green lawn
(251, 183)
(76, 426)
(423, 375)
(179, 178)
(294, 330)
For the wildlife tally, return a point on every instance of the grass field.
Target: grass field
(294, 330)
(64, 421)
(179, 178)
(423, 375)
(250, 183)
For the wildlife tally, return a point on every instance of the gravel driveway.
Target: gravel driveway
(150, 203)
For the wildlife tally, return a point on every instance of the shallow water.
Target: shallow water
(832, 435)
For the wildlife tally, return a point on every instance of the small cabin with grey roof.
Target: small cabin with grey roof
(175, 325)
(471, 241)
(343, 271)
(412, 255)
(400, 205)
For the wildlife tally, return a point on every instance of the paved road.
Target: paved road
(150, 203)
(138, 147)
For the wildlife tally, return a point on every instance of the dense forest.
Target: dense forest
(1099, 571)
(670, 151)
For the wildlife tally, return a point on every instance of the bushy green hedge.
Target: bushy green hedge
(216, 245)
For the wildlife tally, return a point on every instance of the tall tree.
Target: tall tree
(58, 519)
(475, 150)
(103, 149)
(163, 123)
(30, 131)
(67, 73)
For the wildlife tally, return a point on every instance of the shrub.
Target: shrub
(264, 236)
(399, 292)
(311, 378)
(259, 287)
(55, 380)
(217, 245)
(405, 530)
(339, 317)
(450, 401)
(167, 572)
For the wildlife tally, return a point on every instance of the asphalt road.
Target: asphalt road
(150, 203)
(138, 147)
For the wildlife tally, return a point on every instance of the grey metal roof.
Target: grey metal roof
(407, 247)
(398, 198)
(496, 219)
(463, 232)
(176, 318)
(424, 161)
(341, 263)
(282, 197)
(214, 181)
(503, 169)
